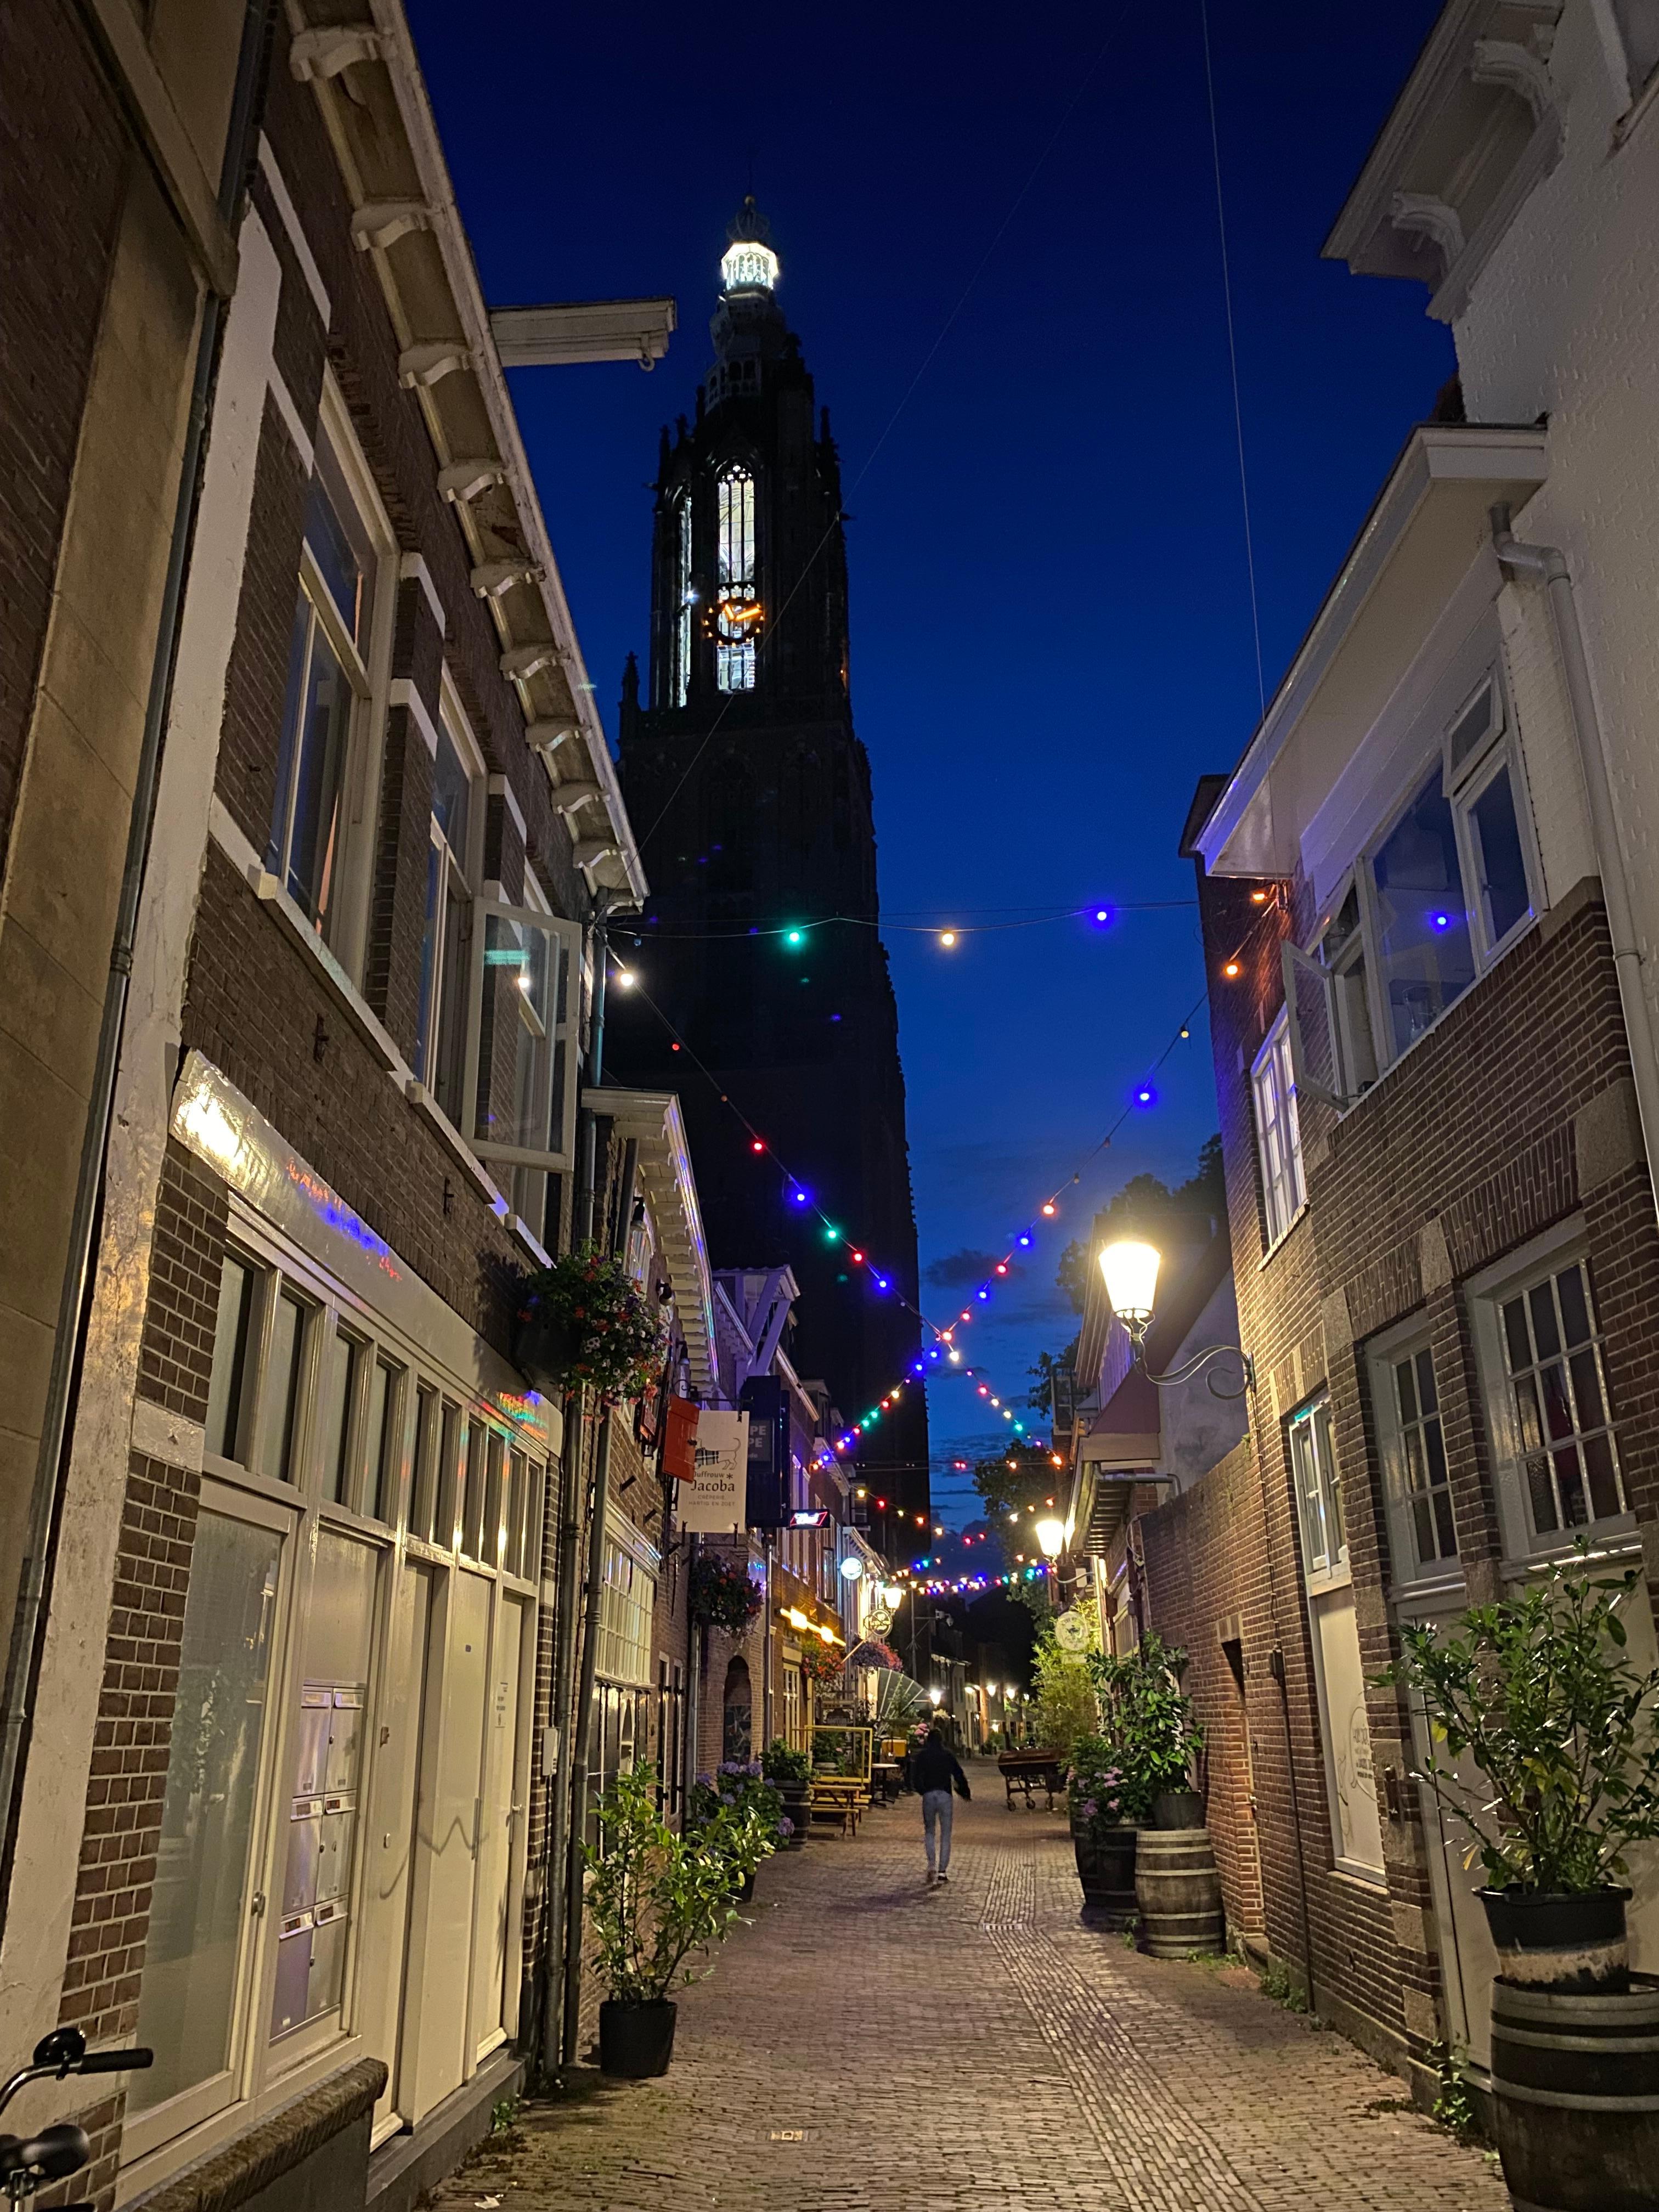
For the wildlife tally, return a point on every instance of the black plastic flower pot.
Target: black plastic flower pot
(1177, 1809)
(636, 2040)
(542, 1349)
(1554, 1940)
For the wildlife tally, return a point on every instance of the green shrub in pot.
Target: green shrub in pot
(655, 1900)
(1536, 1691)
(1149, 1721)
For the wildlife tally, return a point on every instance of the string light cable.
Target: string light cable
(946, 1351)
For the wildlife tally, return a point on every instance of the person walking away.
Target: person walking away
(934, 1773)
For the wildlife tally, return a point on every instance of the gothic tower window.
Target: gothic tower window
(737, 601)
(685, 597)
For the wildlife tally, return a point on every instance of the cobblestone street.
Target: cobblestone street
(866, 2045)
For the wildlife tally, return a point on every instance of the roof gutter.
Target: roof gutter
(1548, 565)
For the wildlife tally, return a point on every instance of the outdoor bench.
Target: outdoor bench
(1027, 1770)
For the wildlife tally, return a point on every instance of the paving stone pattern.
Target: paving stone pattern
(976, 2049)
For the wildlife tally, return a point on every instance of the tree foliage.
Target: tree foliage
(1016, 1480)
(1067, 1707)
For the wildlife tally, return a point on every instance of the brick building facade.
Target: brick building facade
(298, 1665)
(1432, 1052)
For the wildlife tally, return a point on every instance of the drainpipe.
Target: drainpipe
(587, 1132)
(74, 1297)
(581, 1730)
(1548, 565)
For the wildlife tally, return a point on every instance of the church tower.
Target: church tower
(750, 796)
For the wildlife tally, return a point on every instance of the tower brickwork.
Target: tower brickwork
(751, 793)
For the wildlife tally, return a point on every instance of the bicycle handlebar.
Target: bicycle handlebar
(64, 2052)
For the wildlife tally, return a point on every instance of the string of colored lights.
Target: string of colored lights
(801, 1196)
(1143, 1096)
(949, 933)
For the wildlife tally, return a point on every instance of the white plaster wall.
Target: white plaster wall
(53, 1806)
(1198, 1427)
(1563, 322)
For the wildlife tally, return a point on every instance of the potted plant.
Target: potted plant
(723, 1593)
(584, 1319)
(1105, 1809)
(656, 1898)
(1153, 1730)
(1534, 1689)
(790, 1773)
(758, 1822)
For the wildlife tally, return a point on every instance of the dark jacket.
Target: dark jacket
(933, 1766)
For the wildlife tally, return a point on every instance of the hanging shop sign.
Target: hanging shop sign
(715, 1503)
(679, 1444)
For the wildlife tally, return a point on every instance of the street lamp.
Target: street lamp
(1130, 1269)
(936, 1698)
(1051, 1534)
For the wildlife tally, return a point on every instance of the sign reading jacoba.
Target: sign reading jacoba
(715, 1501)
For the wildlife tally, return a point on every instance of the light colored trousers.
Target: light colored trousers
(936, 1810)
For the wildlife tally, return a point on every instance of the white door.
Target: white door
(436, 2013)
(389, 1844)
(495, 1954)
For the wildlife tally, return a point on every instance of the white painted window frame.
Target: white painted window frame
(1409, 1575)
(1487, 1292)
(1278, 1130)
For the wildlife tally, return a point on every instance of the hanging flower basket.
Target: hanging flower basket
(722, 1595)
(585, 1321)
(822, 1663)
(873, 1653)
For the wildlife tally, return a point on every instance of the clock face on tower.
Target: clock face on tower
(737, 612)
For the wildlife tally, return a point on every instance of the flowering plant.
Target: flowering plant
(1100, 1793)
(722, 1593)
(821, 1663)
(737, 1804)
(1149, 1717)
(615, 1331)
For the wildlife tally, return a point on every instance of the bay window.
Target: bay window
(1432, 901)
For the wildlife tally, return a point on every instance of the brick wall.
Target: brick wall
(1449, 1161)
(175, 1352)
(252, 1006)
(130, 1750)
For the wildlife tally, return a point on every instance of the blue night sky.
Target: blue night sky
(999, 247)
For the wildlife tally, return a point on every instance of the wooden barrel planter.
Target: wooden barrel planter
(1106, 1868)
(1575, 2085)
(1179, 1893)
